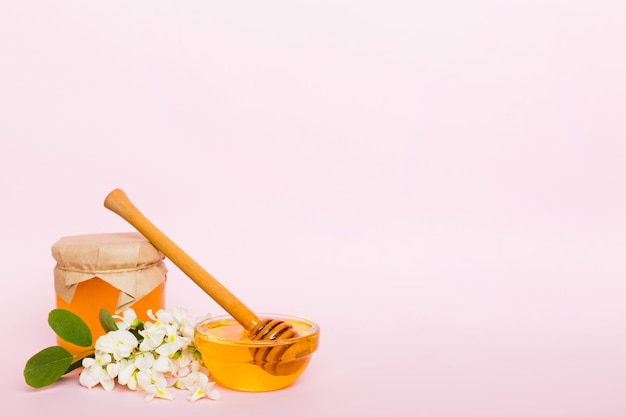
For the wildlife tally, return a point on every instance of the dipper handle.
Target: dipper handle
(119, 203)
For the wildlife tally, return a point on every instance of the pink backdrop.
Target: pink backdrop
(440, 185)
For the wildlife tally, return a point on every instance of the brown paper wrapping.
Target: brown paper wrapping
(127, 261)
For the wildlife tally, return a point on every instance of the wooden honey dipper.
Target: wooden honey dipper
(269, 358)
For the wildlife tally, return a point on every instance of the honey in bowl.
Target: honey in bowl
(272, 354)
(238, 363)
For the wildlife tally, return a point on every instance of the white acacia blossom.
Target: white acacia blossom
(119, 343)
(150, 356)
(96, 372)
(127, 319)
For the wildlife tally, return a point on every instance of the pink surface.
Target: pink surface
(439, 185)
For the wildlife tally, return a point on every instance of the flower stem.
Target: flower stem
(84, 353)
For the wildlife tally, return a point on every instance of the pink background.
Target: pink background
(440, 185)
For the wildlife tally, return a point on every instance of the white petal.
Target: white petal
(103, 358)
(159, 379)
(107, 383)
(86, 379)
(126, 372)
(113, 369)
(129, 315)
(162, 364)
(126, 337)
(87, 362)
(165, 317)
(145, 361)
(196, 394)
(214, 395)
(161, 393)
(132, 383)
(106, 343)
(145, 382)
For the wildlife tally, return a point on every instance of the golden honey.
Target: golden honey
(110, 271)
(229, 354)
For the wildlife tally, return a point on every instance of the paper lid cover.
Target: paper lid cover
(127, 261)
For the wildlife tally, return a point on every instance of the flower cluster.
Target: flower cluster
(150, 356)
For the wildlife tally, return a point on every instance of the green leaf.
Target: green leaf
(69, 327)
(106, 321)
(47, 366)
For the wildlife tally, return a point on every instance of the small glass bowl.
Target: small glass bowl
(229, 354)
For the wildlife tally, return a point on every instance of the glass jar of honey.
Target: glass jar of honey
(111, 271)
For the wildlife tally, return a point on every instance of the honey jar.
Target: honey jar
(111, 271)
